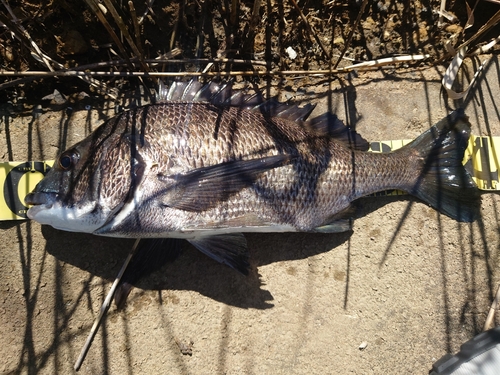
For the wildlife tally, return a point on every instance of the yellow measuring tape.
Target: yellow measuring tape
(17, 179)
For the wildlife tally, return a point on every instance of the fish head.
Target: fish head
(88, 183)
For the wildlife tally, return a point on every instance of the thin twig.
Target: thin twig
(104, 308)
(486, 27)
(491, 314)
(146, 11)
(310, 29)
(98, 12)
(176, 26)
(137, 30)
(351, 33)
(153, 62)
(252, 24)
(87, 75)
(124, 30)
(73, 73)
(366, 65)
(387, 61)
(25, 33)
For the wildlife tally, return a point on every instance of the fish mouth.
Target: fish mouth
(47, 208)
(39, 201)
(41, 198)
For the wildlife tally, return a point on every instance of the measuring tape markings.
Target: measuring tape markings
(484, 161)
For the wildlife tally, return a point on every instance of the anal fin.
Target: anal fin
(338, 223)
(339, 226)
(229, 249)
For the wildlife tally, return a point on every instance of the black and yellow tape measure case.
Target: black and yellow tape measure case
(17, 179)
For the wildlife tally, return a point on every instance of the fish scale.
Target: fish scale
(225, 163)
(301, 177)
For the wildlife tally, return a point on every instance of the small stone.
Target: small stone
(291, 53)
(185, 348)
(7, 54)
(382, 7)
(82, 95)
(454, 29)
(363, 345)
(56, 98)
(339, 41)
(103, 8)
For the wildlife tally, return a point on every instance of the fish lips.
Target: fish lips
(40, 201)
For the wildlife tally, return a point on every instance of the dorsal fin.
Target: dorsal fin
(223, 94)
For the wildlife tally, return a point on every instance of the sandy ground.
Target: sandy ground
(407, 282)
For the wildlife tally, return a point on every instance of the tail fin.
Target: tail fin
(443, 182)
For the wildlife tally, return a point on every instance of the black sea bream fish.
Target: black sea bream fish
(209, 163)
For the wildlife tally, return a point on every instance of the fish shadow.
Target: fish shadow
(192, 270)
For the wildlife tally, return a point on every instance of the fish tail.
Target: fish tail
(443, 181)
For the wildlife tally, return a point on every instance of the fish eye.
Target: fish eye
(68, 160)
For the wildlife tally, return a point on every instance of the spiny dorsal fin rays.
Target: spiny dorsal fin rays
(273, 108)
(178, 91)
(225, 95)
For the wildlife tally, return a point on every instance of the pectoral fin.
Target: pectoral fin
(206, 187)
(230, 249)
